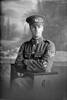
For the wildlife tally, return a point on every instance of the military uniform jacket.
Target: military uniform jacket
(42, 52)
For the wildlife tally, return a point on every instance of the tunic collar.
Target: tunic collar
(36, 41)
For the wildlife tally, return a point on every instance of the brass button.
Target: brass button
(33, 51)
(33, 45)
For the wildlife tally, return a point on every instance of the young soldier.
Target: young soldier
(36, 54)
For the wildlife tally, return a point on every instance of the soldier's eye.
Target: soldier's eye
(33, 28)
(38, 26)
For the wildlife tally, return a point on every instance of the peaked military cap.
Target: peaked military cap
(35, 19)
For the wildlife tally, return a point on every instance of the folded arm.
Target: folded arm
(19, 62)
(48, 57)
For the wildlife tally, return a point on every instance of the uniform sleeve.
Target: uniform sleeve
(51, 50)
(49, 56)
(19, 60)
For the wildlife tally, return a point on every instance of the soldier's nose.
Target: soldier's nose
(36, 28)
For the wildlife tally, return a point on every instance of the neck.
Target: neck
(37, 37)
(37, 40)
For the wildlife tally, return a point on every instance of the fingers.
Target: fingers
(37, 64)
(40, 63)
(32, 64)
(26, 62)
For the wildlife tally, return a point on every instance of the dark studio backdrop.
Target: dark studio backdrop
(14, 29)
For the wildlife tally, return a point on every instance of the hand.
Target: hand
(38, 64)
(45, 64)
(26, 61)
(20, 74)
(29, 62)
(33, 64)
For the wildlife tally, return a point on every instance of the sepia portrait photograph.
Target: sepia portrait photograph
(33, 50)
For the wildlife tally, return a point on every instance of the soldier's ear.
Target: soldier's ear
(30, 26)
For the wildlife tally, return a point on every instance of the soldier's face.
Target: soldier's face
(36, 30)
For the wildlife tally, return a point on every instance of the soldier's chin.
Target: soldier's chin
(36, 36)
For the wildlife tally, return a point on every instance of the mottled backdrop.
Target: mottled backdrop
(15, 30)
